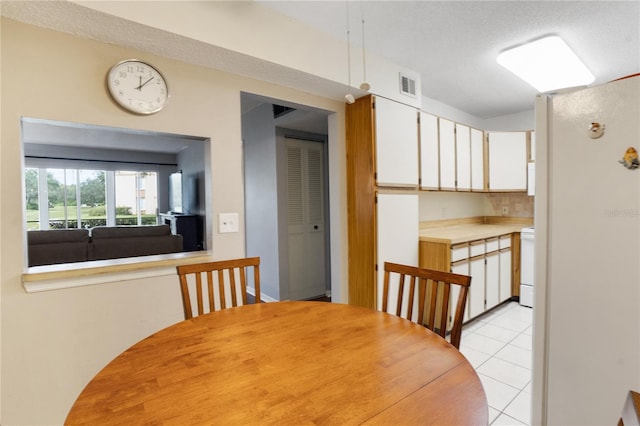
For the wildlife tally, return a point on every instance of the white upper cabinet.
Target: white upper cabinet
(507, 161)
(447, 155)
(396, 143)
(463, 157)
(429, 155)
(477, 160)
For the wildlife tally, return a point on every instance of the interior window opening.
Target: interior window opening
(99, 193)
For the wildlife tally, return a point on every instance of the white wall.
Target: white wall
(261, 198)
(250, 29)
(54, 342)
(525, 120)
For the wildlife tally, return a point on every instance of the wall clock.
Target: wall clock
(138, 87)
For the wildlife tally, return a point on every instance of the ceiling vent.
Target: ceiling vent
(407, 86)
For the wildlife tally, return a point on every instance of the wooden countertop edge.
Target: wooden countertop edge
(469, 229)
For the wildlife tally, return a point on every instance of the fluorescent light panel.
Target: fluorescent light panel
(546, 64)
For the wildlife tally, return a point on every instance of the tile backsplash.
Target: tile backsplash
(517, 204)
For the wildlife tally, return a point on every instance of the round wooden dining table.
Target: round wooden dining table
(287, 363)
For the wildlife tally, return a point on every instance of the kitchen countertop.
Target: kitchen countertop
(455, 233)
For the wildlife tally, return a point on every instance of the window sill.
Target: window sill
(70, 275)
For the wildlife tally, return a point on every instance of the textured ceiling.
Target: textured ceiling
(452, 44)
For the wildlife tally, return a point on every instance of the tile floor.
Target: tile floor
(498, 345)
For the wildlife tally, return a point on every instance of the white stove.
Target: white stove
(527, 239)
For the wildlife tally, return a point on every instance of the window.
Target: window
(63, 198)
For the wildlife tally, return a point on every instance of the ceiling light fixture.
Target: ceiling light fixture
(546, 64)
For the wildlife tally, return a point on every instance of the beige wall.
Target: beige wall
(53, 342)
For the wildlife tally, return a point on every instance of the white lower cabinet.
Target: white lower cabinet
(476, 292)
(488, 262)
(505, 274)
(492, 280)
(462, 268)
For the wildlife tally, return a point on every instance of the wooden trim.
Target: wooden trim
(435, 256)
(515, 264)
(361, 203)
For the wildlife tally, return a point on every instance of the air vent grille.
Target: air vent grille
(407, 86)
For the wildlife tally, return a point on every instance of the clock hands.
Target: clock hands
(141, 85)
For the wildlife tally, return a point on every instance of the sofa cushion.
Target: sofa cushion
(49, 247)
(131, 241)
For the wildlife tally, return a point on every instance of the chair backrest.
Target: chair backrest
(225, 283)
(429, 291)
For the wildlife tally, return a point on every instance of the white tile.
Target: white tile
(491, 316)
(481, 343)
(520, 408)
(503, 334)
(504, 420)
(527, 388)
(521, 313)
(475, 358)
(528, 331)
(499, 395)
(493, 414)
(506, 372)
(515, 355)
(472, 326)
(523, 341)
(511, 324)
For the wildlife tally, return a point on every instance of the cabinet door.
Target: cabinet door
(463, 157)
(492, 280)
(429, 155)
(477, 160)
(396, 143)
(505, 274)
(476, 291)
(462, 268)
(507, 161)
(398, 229)
(447, 155)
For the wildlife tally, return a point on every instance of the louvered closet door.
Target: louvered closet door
(305, 206)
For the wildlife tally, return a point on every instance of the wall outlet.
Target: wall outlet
(505, 211)
(228, 222)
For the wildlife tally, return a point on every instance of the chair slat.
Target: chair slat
(223, 296)
(226, 276)
(210, 288)
(432, 290)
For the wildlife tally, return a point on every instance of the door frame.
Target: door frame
(281, 135)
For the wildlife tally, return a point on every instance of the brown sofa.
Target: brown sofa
(109, 242)
(58, 246)
(100, 243)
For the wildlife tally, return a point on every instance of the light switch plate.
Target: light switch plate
(228, 222)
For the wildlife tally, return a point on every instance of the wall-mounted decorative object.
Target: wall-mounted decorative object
(630, 159)
(138, 87)
(596, 130)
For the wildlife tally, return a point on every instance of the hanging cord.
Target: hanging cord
(349, 97)
(364, 85)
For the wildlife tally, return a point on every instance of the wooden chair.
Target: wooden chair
(222, 287)
(430, 290)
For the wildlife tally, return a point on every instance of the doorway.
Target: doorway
(279, 137)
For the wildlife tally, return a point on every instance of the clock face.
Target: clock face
(137, 87)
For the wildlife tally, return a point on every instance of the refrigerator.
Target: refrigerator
(587, 215)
